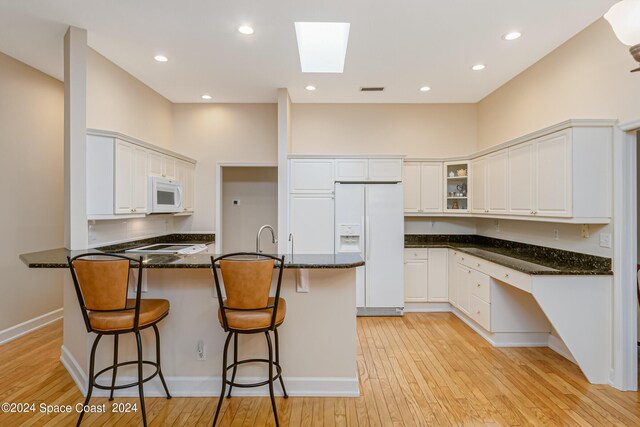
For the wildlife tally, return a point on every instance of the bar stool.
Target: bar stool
(102, 283)
(248, 309)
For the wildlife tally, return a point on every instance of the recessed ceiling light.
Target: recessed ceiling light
(207, 97)
(478, 67)
(512, 35)
(310, 88)
(246, 30)
(425, 89)
(161, 58)
(322, 46)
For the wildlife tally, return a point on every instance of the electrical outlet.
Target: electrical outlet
(236, 202)
(201, 353)
(605, 240)
(556, 234)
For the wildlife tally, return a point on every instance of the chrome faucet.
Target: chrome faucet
(273, 236)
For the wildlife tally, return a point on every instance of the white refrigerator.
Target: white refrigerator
(369, 220)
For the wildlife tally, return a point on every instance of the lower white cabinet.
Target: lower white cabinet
(426, 275)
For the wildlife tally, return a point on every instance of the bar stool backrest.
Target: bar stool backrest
(247, 282)
(103, 283)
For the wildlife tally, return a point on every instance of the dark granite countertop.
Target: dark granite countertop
(529, 259)
(57, 258)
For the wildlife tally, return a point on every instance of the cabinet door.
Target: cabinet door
(453, 279)
(464, 288)
(169, 167)
(382, 170)
(354, 170)
(479, 185)
(521, 179)
(311, 176)
(415, 280)
(312, 223)
(497, 182)
(437, 282)
(140, 181)
(553, 175)
(123, 177)
(431, 187)
(412, 187)
(154, 163)
(185, 173)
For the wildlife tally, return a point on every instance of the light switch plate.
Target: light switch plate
(605, 240)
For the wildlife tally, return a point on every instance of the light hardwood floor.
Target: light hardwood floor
(423, 369)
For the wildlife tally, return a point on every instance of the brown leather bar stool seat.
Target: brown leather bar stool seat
(101, 282)
(248, 309)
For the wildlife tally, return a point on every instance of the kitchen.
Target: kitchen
(349, 143)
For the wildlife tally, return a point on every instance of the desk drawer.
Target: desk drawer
(512, 277)
(480, 311)
(481, 286)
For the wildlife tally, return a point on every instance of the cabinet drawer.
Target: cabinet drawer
(481, 286)
(385, 170)
(514, 278)
(481, 312)
(466, 260)
(351, 170)
(416, 253)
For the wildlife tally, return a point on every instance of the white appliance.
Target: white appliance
(369, 220)
(165, 195)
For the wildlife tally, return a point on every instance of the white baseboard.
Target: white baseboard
(427, 307)
(557, 345)
(31, 325)
(209, 386)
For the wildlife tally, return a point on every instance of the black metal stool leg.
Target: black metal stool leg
(273, 400)
(284, 390)
(164, 384)
(224, 377)
(141, 378)
(92, 362)
(235, 361)
(115, 365)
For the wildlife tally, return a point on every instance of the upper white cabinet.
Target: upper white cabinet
(423, 187)
(162, 165)
(312, 223)
(521, 178)
(130, 178)
(479, 188)
(311, 175)
(553, 174)
(496, 181)
(359, 170)
(118, 176)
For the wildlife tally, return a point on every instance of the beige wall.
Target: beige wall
(586, 78)
(119, 102)
(212, 133)
(417, 130)
(31, 119)
(257, 191)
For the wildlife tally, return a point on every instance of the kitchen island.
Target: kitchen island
(317, 338)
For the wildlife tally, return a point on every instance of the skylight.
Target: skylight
(322, 46)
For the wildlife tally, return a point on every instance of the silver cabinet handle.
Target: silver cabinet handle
(478, 285)
(506, 275)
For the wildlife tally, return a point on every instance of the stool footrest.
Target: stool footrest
(117, 365)
(259, 384)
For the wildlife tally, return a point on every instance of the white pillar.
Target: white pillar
(75, 129)
(284, 148)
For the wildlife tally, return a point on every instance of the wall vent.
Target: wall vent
(371, 89)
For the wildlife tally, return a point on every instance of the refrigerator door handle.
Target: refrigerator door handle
(367, 237)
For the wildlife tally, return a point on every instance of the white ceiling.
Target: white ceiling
(401, 45)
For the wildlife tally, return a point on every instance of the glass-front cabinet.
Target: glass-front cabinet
(457, 185)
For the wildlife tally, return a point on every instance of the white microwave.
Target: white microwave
(165, 195)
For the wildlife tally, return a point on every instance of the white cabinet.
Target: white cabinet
(521, 179)
(553, 175)
(311, 176)
(479, 186)
(426, 274)
(130, 172)
(496, 182)
(453, 278)
(354, 170)
(464, 288)
(185, 174)
(359, 170)
(437, 275)
(416, 275)
(312, 223)
(385, 170)
(162, 165)
(423, 187)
